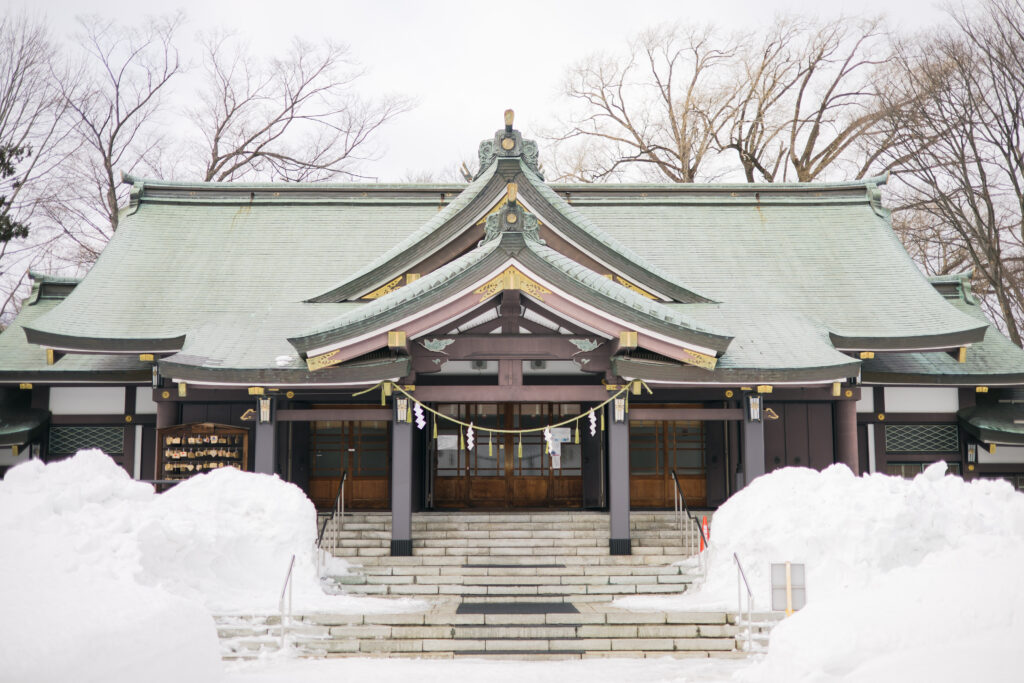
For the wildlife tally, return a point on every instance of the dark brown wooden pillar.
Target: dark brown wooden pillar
(846, 434)
(166, 414)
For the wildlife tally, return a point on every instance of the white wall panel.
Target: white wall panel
(921, 400)
(144, 403)
(866, 404)
(87, 400)
(1004, 455)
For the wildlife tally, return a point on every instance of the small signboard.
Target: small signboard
(447, 442)
(789, 587)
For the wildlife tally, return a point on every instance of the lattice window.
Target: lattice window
(69, 439)
(932, 438)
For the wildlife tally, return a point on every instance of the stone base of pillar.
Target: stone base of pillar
(401, 548)
(620, 546)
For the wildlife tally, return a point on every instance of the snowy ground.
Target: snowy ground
(906, 580)
(102, 580)
(479, 671)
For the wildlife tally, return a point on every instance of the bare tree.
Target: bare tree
(961, 149)
(809, 100)
(123, 90)
(296, 117)
(34, 144)
(660, 108)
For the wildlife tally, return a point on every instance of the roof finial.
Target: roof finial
(509, 118)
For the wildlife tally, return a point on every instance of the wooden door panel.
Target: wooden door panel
(449, 491)
(322, 491)
(695, 488)
(567, 491)
(646, 491)
(529, 491)
(364, 493)
(488, 491)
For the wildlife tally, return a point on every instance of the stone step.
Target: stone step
(444, 633)
(378, 559)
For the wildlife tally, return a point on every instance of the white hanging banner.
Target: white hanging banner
(556, 460)
(561, 435)
(447, 442)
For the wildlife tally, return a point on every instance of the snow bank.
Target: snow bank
(95, 563)
(901, 575)
(69, 606)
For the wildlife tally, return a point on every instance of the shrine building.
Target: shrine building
(510, 343)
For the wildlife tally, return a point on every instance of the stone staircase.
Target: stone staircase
(510, 584)
(514, 557)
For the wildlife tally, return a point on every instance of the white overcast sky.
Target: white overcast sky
(466, 62)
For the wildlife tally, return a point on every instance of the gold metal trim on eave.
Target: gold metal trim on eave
(386, 289)
(324, 360)
(511, 278)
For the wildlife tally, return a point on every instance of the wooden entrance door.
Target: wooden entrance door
(505, 471)
(656, 448)
(360, 447)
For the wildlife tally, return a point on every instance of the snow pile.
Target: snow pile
(903, 576)
(96, 567)
(226, 538)
(69, 607)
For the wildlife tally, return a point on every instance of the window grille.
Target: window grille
(932, 438)
(69, 439)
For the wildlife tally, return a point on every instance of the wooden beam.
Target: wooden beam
(506, 394)
(313, 414)
(510, 372)
(706, 414)
(505, 346)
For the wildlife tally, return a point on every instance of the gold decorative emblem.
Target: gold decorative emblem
(511, 218)
(629, 285)
(507, 143)
(324, 360)
(511, 278)
(386, 289)
(701, 360)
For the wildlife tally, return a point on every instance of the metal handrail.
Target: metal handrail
(685, 508)
(286, 590)
(339, 504)
(334, 520)
(739, 599)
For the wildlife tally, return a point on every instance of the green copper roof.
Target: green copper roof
(21, 361)
(223, 275)
(18, 427)
(826, 252)
(493, 254)
(769, 348)
(994, 361)
(999, 424)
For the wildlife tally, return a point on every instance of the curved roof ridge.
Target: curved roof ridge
(816, 186)
(161, 183)
(574, 216)
(614, 290)
(394, 299)
(443, 216)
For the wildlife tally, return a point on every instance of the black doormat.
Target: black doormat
(517, 608)
(513, 566)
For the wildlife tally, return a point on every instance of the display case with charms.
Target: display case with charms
(191, 449)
